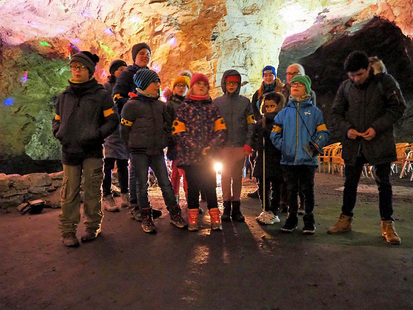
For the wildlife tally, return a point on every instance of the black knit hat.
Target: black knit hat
(144, 77)
(115, 65)
(88, 59)
(137, 47)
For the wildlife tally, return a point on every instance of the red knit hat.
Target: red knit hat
(233, 78)
(199, 77)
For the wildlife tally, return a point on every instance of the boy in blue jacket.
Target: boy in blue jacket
(299, 130)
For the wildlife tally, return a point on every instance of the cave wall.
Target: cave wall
(209, 36)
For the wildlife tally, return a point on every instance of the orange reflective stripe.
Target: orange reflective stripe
(57, 117)
(220, 124)
(116, 97)
(126, 122)
(322, 127)
(178, 127)
(108, 112)
(276, 129)
(251, 119)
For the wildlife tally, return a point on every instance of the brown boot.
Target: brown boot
(193, 219)
(343, 225)
(389, 233)
(215, 219)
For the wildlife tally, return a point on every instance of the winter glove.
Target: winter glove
(247, 150)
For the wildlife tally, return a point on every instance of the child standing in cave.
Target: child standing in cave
(84, 117)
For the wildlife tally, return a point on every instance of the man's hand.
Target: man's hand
(353, 134)
(205, 150)
(369, 134)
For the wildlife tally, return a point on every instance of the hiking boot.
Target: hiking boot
(109, 204)
(90, 235)
(343, 225)
(236, 212)
(226, 215)
(193, 219)
(147, 223)
(215, 219)
(135, 214)
(389, 233)
(290, 224)
(70, 240)
(176, 218)
(125, 200)
(309, 224)
(254, 194)
(267, 218)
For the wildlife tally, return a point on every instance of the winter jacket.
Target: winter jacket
(197, 125)
(114, 145)
(258, 95)
(124, 85)
(294, 127)
(272, 154)
(84, 117)
(237, 113)
(172, 106)
(144, 125)
(377, 103)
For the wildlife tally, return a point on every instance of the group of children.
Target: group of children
(197, 130)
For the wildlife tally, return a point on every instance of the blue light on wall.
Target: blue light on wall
(8, 101)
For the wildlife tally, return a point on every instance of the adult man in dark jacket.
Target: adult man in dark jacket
(84, 117)
(364, 112)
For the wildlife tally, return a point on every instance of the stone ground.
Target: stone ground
(246, 266)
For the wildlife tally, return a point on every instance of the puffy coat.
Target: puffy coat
(84, 117)
(197, 125)
(114, 145)
(237, 113)
(145, 127)
(377, 103)
(294, 127)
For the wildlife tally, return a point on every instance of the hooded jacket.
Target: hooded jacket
(294, 127)
(377, 103)
(145, 128)
(237, 113)
(197, 125)
(84, 117)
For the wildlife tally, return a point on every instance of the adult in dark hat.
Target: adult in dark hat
(84, 117)
(115, 152)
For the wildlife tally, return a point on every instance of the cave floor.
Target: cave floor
(246, 266)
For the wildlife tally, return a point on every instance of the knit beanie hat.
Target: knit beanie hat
(137, 47)
(88, 59)
(303, 79)
(233, 78)
(199, 77)
(181, 80)
(144, 77)
(269, 68)
(115, 65)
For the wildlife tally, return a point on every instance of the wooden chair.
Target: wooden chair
(337, 162)
(324, 160)
(407, 166)
(401, 149)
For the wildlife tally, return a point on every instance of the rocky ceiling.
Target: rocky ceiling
(209, 36)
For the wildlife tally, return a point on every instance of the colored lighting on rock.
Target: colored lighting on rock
(172, 41)
(109, 31)
(8, 101)
(75, 41)
(156, 68)
(135, 19)
(44, 43)
(24, 78)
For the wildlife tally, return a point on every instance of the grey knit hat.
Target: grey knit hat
(88, 59)
(144, 77)
(115, 65)
(137, 47)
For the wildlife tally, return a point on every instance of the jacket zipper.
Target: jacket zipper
(296, 144)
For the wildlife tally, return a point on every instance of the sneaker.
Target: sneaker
(309, 226)
(253, 194)
(177, 220)
(135, 214)
(267, 218)
(226, 215)
(290, 224)
(90, 235)
(156, 213)
(301, 210)
(147, 223)
(70, 240)
(109, 204)
(125, 200)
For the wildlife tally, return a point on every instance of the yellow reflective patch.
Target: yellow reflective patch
(322, 127)
(220, 124)
(251, 119)
(126, 122)
(57, 117)
(108, 112)
(116, 97)
(178, 127)
(276, 129)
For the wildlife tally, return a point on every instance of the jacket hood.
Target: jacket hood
(227, 74)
